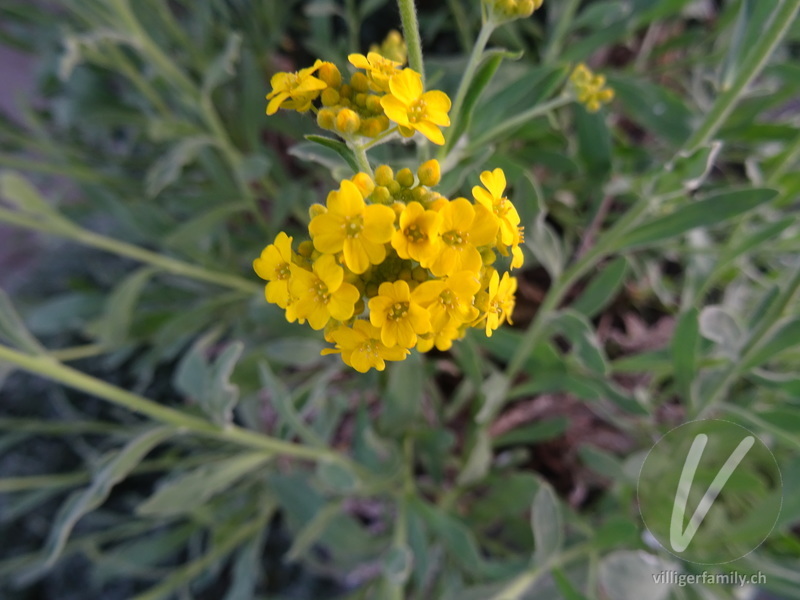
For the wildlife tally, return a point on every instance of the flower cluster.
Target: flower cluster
(507, 10)
(380, 92)
(392, 265)
(590, 89)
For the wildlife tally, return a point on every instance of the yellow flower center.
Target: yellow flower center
(370, 348)
(417, 111)
(448, 299)
(496, 307)
(413, 233)
(283, 271)
(353, 226)
(398, 311)
(454, 238)
(500, 207)
(320, 290)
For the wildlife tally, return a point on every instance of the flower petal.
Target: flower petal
(395, 110)
(378, 223)
(327, 233)
(430, 131)
(406, 86)
(355, 255)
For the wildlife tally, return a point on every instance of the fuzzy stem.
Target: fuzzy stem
(408, 15)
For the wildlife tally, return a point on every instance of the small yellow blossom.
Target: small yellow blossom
(275, 266)
(352, 227)
(450, 301)
(418, 235)
(323, 293)
(413, 109)
(442, 340)
(493, 200)
(590, 89)
(379, 69)
(500, 301)
(361, 347)
(465, 227)
(295, 90)
(396, 310)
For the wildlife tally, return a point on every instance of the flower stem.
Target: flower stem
(408, 15)
(560, 30)
(360, 152)
(51, 369)
(171, 265)
(520, 120)
(474, 60)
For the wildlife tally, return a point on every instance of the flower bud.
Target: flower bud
(430, 173)
(306, 248)
(330, 74)
(381, 195)
(330, 97)
(384, 175)
(364, 184)
(347, 121)
(359, 82)
(317, 209)
(326, 118)
(405, 178)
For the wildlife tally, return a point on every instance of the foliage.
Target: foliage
(195, 444)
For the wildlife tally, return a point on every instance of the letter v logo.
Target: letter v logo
(680, 538)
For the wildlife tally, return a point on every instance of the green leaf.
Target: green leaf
(583, 339)
(336, 477)
(13, 330)
(688, 171)
(594, 143)
(121, 307)
(602, 462)
(705, 213)
(337, 146)
(685, 343)
(188, 491)
(166, 170)
(479, 461)
(18, 191)
(546, 524)
(397, 564)
(482, 79)
(654, 107)
(539, 431)
(402, 400)
(313, 531)
(715, 323)
(223, 67)
(628, 575)
(602, 289)
(208, 383)
(783, 336)
(116, 467)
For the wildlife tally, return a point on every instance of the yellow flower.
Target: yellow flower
(361, 347)
(398, 313)
(450, 301)
(443, 340)
(351, 226)
(500, 301)
(591, 90)
(295, 90)
(274, 265)
(412, 109)
(418, 235)
(464, 228)
(503, 209)
(379, 69)
(322, 294)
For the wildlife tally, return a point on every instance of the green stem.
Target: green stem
(408, 15)
(568, 10)
(170, 265)
(781, 22)
(521, 119)
(50, 369)
(78, 352)
(475, 58)
(521, 584)
(382, 138)
(570, 276)
(360, 152)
